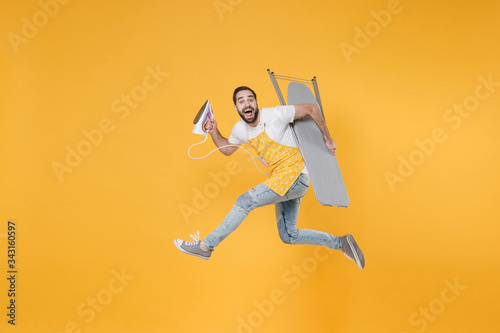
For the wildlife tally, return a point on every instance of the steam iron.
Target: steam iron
(201, 118)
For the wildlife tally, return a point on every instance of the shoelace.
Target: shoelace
(195, 237)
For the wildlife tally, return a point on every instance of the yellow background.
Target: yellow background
(120, 209)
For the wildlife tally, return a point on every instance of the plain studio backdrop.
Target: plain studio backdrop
(98, 99)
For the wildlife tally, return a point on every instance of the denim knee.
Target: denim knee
(245, 202)
(287, 237)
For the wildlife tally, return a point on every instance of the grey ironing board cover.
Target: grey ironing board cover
(322, 165)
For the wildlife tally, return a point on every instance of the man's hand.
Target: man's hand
(302, 110)
(211, 126)
(331, 145)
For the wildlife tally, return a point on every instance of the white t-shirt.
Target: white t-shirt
(277, 121)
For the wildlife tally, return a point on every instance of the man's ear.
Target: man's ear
(235, 108)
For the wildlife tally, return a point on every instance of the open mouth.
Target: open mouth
(248, 113)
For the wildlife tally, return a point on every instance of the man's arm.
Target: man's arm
(218, 139)
(302, 110)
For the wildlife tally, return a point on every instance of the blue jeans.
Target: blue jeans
(287, 212)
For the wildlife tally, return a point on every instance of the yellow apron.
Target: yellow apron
(285, 163)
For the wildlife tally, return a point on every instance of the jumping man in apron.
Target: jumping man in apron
(268, 131)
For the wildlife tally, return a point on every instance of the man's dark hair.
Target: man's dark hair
(237, 90)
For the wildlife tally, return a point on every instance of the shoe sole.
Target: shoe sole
(358, 255)
(190, 253)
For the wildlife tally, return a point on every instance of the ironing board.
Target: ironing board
(322, 165)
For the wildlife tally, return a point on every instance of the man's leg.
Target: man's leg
(287, 213)
(259, 196)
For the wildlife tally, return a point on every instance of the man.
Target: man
(268, 131)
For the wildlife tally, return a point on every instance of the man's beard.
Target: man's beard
(252, 119)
